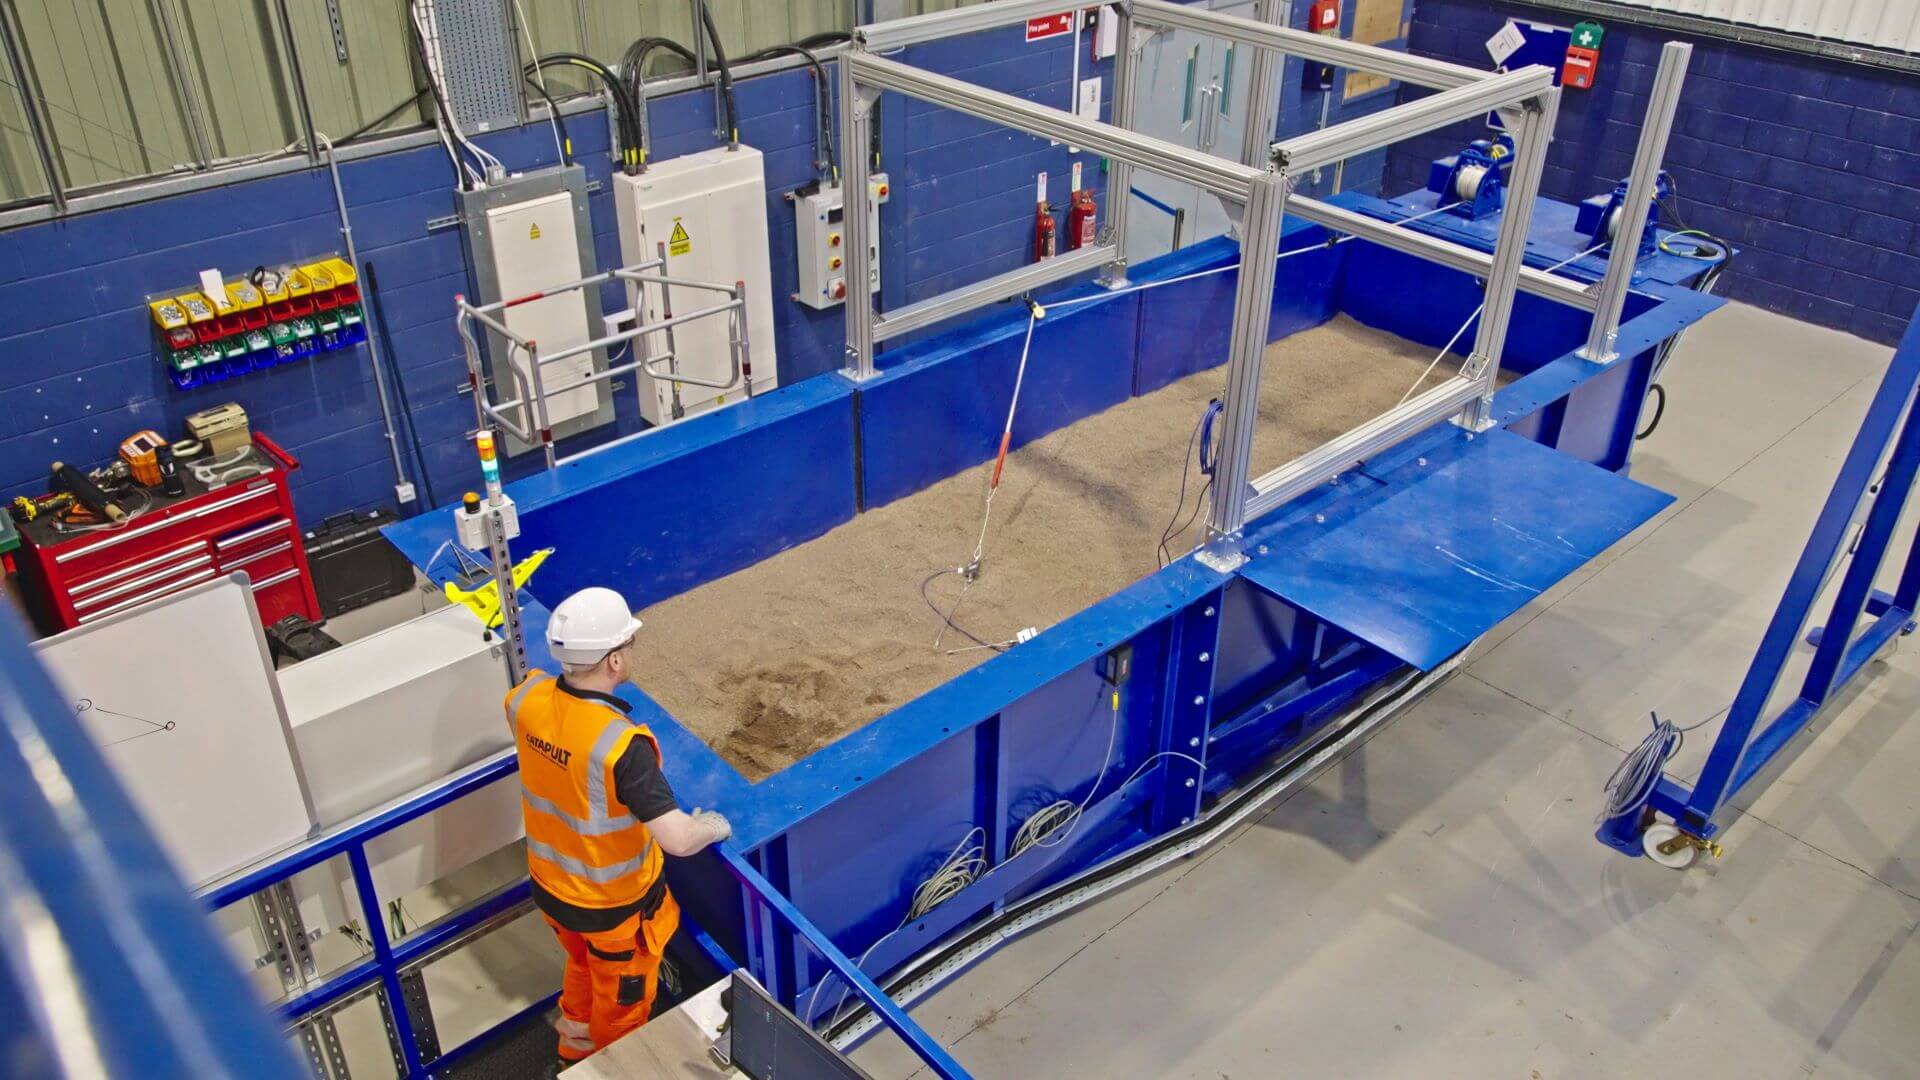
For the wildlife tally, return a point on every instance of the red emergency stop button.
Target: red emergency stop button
(833, 239)
(839, 290)
(882, 191)
(833, 263)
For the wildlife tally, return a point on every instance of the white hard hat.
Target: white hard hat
(588, 625)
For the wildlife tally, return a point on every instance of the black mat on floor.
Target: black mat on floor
(524, 1051)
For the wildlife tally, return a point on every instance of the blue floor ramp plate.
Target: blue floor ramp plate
(1454, 546)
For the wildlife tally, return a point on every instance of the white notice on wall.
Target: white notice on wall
(1089, 106)
(1041, 181)
(1505, 43)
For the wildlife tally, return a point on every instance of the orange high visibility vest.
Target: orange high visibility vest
(583, 845)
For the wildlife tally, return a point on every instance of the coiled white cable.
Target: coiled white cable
(1633, 781)
(1052, 824)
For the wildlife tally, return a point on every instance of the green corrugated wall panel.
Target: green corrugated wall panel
(105, 72)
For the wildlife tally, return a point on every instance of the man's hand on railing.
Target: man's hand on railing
(715, 822)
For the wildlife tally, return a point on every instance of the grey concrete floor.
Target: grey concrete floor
(1436, 905)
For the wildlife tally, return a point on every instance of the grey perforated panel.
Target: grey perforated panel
(482, 62)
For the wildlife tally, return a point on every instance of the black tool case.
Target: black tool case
(353, 565)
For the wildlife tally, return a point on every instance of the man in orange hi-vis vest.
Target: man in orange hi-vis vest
(599, 817)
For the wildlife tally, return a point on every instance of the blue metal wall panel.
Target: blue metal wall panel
(1185, 328)
(1428, 303)
(693, 503)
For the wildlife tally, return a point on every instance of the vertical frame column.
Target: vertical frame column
(1623, 250)
(1263, 91)
(1120, 174)
(856, 131)
(1252, 310)
(1509, 253)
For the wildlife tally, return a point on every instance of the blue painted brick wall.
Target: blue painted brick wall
(1300, 110)
(78, 374)
(1811, 167)
(964, 190)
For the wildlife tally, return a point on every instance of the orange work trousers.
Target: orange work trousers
(611, 978)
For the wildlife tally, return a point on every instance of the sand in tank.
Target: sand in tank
(772, 662)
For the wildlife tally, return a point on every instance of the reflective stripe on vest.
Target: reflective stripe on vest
(519, 696)
(599, 826)
(599, 875)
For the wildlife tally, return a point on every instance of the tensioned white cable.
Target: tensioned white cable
(970, 572)
(1455, 339)
(1235, 266)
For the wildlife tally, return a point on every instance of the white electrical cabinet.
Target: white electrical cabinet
(535, 246)
(819, 243)
(710, 211)
(525, 234)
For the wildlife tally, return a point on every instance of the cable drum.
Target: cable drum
(1466, 182)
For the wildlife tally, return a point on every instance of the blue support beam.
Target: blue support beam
(1751, 747)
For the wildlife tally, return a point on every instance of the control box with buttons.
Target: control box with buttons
(819, 243)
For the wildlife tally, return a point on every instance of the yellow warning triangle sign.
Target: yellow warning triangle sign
(679, 243)
(534, 232)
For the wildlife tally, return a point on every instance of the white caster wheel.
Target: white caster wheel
(1668, 846)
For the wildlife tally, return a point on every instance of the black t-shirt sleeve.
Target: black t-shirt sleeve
(638, 781)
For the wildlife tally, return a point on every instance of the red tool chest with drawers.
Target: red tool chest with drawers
(71, 579)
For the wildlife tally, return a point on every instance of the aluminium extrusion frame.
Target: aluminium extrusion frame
(1663, 102)
(535, 429)
(1262, 189)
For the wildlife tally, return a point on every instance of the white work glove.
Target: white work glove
(716, 823)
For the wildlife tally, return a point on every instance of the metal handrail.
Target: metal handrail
(116, 970)
(390, 959)
(530, 382)
(763, 893)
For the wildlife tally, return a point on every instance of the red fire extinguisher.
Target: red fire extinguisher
(1082, 220)
(1044, 246)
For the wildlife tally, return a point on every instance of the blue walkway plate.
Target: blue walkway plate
(1450, 549)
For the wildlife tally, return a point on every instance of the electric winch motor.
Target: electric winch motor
(1599, 217)
(1474, 180)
